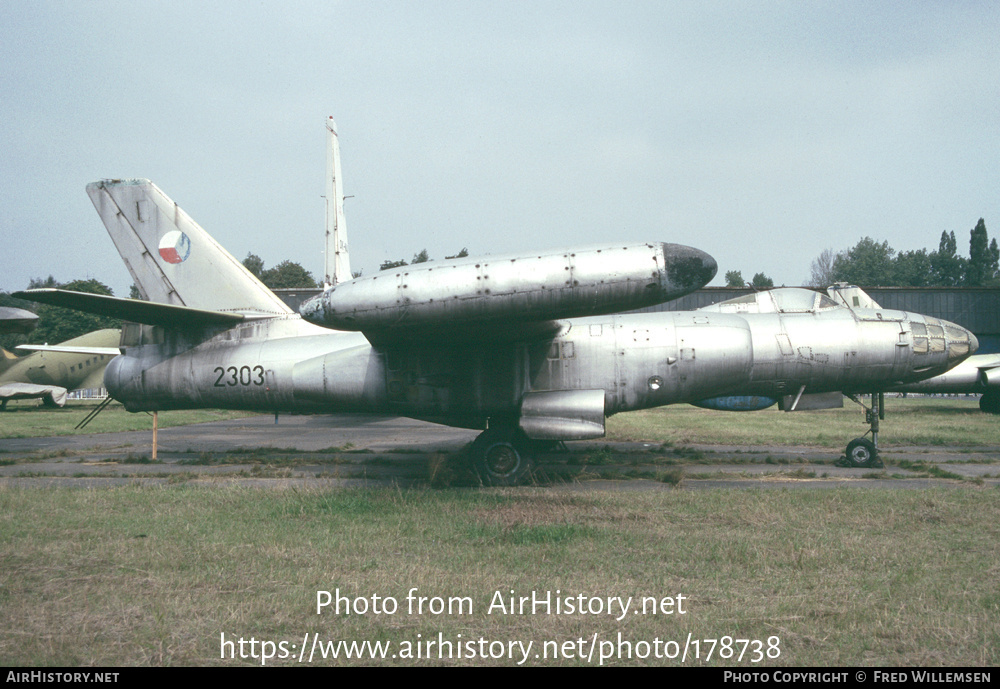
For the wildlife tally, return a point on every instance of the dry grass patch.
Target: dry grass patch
(153, 576)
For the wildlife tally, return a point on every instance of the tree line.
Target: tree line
(421, 257)
(876, 264)
(734, 278)
(291, 275)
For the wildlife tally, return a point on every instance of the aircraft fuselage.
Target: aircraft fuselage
(636, 361)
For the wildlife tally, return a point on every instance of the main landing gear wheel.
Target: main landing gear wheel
(502, 457)
(989, 403)
(861, 452)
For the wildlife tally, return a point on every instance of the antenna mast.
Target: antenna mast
(336, 262)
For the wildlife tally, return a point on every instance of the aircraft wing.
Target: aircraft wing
(134, 310)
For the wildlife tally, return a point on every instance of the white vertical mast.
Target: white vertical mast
(336, 263)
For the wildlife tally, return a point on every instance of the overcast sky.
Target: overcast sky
(760, 132)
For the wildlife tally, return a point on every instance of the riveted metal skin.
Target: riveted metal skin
(516, 288)
(804, 338)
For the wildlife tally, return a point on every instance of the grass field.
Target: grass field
(141, 575)
(138, 576)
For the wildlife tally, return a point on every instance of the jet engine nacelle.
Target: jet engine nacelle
(545, 286)
(989, 378)
(563, 415)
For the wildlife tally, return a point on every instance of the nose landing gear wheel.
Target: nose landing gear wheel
(862, 452)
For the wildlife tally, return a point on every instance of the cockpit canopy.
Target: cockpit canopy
(782, 300)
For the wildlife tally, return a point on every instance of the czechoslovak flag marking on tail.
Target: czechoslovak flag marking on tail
(175, 247)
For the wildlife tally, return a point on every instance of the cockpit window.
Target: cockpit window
(793, 300)
(781, 300)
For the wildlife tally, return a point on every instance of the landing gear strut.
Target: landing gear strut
(862, 452)
(502, 456)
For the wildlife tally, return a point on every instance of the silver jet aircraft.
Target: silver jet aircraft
(531, 347)
(979, 374)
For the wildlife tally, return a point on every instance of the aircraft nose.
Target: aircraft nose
(960, 342)
(688, 268)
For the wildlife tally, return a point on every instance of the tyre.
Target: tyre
(501, 457)
(990, 402)
(861, 452)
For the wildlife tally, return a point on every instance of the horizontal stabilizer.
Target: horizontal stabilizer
(100, 351)
(133, 310)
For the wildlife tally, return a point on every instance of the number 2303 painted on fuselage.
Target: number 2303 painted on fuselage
(244, 375)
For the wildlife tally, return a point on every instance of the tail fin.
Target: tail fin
(7, 359)
(337, 263)
(171, 258)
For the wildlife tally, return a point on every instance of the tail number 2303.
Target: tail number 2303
(233, 376)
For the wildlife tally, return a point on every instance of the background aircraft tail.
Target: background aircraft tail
(171, 258)
(7, 359)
